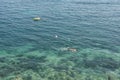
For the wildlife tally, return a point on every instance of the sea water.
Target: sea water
(73, 40)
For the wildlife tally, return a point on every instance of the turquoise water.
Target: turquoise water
(74, 40)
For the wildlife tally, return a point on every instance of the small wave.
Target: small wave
(94, 3)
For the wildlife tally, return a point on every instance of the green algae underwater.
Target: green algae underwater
(84, 64)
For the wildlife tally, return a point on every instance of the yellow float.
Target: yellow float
(36, 18)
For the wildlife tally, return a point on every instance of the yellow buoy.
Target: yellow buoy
(36, 18)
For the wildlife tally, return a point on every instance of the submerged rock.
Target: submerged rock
(30, 62)
(18, 78)
(2, 59)
(111, 76)
(5, 70)
(103, 62)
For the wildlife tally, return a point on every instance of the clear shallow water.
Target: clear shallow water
(88, 39)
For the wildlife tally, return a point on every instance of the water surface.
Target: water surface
(87, 45)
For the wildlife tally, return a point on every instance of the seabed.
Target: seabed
(85, 64)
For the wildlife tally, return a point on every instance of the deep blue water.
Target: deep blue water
(79, 24)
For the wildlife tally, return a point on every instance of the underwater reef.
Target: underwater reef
(84, 64)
